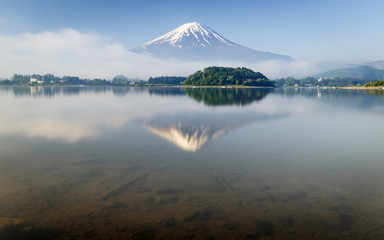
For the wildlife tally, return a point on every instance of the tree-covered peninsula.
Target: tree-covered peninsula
(221, 76)
(375, 84)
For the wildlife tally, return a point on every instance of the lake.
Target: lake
(194, 163)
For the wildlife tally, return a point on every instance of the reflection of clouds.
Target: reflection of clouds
(177, 118)
(56, 129)
(56, 126)
(72, 118)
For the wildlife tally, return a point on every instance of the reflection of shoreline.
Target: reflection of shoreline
(365, 88)
(355, 97)
(53, 91)
(209, 96)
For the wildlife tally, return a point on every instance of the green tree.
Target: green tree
(226, 76)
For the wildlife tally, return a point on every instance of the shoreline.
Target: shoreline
(227, 87)
(182, 86)
(363, 88)
(139, 85)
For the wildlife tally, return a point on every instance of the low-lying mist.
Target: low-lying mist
(88, 55)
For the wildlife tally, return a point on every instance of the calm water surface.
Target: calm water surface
(168, 163)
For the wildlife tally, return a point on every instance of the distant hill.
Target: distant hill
(377, 64)
(219, 76)
(168, 80)
(361, 72)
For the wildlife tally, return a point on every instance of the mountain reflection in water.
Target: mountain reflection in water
(190, 132)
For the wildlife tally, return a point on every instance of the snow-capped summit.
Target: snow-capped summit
(195, 41)
(191, 35)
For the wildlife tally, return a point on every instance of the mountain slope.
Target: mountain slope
(194, 41)
(361, 72)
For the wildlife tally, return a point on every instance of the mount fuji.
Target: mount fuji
(197, 42)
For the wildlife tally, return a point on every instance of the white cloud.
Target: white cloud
(87, 55)
(277, 69)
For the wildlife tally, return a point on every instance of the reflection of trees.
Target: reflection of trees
(227, 96)
(209, 96)
(34, 91)
(329, 92)
(359, 98)
(356, 98)
(50, 92)
(122, 91)
(165, 91)
(377, 92)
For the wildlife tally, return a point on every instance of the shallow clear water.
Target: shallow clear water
(170, 163)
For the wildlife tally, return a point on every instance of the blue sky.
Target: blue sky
(328, 30)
